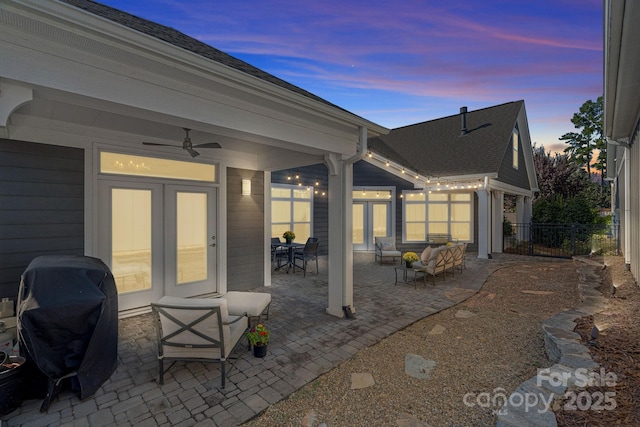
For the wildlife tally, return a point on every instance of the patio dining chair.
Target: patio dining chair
(196, 330)
(278, 253)
(309, 253)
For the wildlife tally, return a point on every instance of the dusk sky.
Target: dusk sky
(400, 62)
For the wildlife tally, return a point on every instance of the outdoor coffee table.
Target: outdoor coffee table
(404, 270)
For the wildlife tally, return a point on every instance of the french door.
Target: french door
(370, 219)
(158, 239)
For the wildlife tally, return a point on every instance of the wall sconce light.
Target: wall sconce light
(246, 187)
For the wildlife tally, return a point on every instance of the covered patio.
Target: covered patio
(305, 343)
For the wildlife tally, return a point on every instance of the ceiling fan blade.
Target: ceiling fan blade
(159, 144)
(209, 145)
(193, 152)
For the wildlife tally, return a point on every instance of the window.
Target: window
(515, 138)
(415, 217)
(291, 209)
(437, 212)
(129, 164)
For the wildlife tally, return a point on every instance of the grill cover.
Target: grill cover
(68, 321)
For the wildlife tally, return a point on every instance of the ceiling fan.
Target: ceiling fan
(187, 145)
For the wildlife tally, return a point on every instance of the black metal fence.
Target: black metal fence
(561, 240)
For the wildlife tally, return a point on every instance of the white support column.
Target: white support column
(520, 209)
(484, 219)
(626, 219)
(497, 218)
(523, 217)
(340, 236)
(267, 228)
(528, 209)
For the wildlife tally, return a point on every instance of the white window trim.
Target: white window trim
(292, 199)
(426, 202)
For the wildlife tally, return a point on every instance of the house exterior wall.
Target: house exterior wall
(41, 206)
(308, 176)
(245, 231)
(509, 175)
(633, 219)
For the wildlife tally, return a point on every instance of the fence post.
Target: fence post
(573, 240)
(531, 239)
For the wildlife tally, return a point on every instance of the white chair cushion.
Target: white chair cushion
(252, 303)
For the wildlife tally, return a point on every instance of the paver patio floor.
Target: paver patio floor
(305, 343)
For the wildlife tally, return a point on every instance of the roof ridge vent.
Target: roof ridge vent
(463, 114)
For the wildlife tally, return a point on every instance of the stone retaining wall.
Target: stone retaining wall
(530, 404)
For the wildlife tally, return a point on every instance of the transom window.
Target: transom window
(437, 212)
(129, 164)
(291, 209)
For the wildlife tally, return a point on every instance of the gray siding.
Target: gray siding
(245, 245)
(41, 206)
(507, 174)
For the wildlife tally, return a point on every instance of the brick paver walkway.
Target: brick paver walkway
(305, 343)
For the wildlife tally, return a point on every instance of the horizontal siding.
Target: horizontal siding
(245, 231)
(41, 206)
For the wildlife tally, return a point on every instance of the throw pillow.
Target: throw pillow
(424, 257)
(387, 246)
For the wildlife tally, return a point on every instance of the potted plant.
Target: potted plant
(409, 258)
(289, 236)
(258, 337)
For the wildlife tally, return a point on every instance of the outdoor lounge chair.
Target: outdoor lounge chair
(197, 330)
(386, 248)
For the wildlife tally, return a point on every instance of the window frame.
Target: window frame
(292, 200)
(406, 200)
(515, 141)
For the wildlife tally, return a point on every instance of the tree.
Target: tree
(582, 144)
(557, 175)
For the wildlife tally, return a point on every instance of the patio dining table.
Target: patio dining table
(291, 247)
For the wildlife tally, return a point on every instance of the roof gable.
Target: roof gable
(439, 148)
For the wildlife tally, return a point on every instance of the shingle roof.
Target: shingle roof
(436, 148)
(186, 42)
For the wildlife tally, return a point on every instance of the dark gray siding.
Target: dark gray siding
(245, 245)
(41, 206)
(507, 174)
(308, 176)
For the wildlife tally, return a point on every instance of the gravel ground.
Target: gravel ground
(489, 344)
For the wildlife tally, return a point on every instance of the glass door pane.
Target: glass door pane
(191, 241)
(131, 239)
(381, 219)
(358, 226)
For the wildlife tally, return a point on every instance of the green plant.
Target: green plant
(289, 235)
(410, 257)
(507, 227)
(258, 335)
